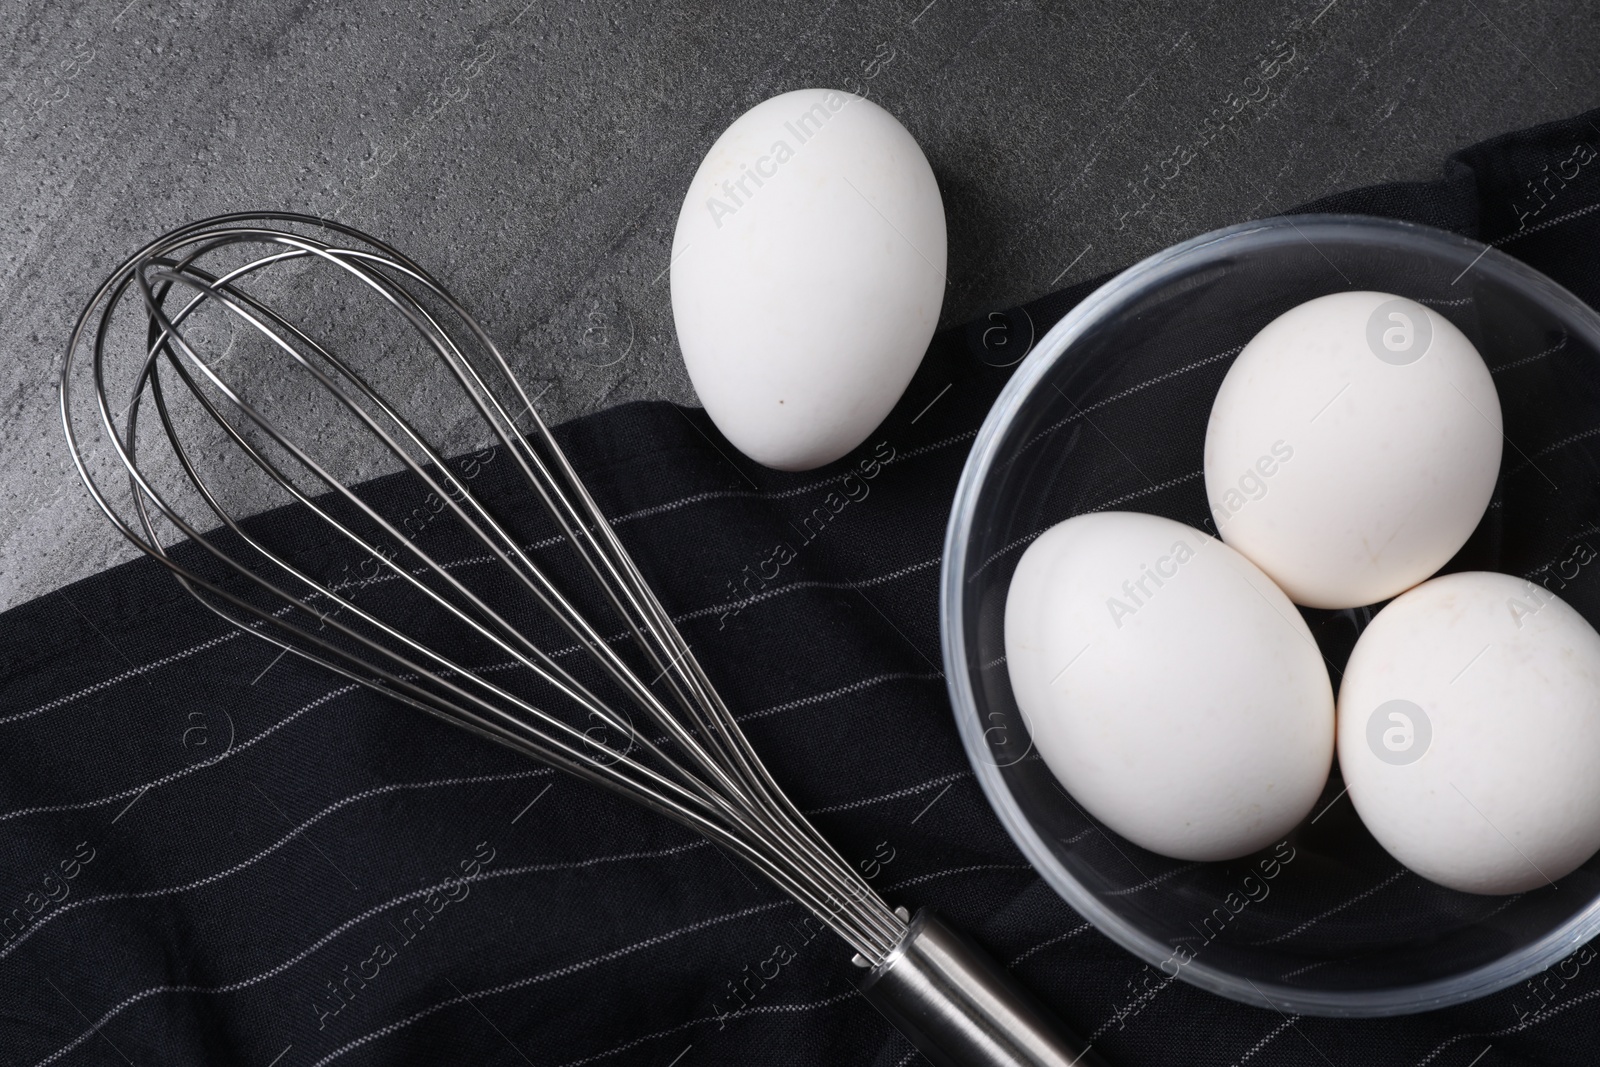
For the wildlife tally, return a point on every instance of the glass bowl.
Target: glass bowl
(1109, 412)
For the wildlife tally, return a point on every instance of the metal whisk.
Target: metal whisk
(698, 769)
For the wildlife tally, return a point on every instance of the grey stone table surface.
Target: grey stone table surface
(534, 155)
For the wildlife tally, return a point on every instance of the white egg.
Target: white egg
(1353, 448)
(1169, 685)
(1469, 733)
(808, 268)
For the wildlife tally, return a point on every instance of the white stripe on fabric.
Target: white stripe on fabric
(559, 972)
(911, 790)
(1157, 880)
(415, 894)
(783, 1009)
(1122, 1013)
(1393, 878)
(132, 672)
(182, 772)
(1552, 350)
(1074, 932)
(784, 494)
(1581, 435)
(1115, 502)
(250, 861)
(1265, 1041)
(930, 876)
(1529, 1023)
(1132, 389)
(844, 690)
(791, 587)
(1545, 225)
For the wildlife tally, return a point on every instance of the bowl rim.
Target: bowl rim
(1388, 1001)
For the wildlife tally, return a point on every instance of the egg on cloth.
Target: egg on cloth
(1353, 447)
(1169, 685)
(808, 269)
(1469, 733)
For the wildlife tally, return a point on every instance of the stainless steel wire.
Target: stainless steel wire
(693, 765)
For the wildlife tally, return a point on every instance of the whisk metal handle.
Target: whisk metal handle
(961, 1009)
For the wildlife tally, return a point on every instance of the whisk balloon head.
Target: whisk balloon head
(279, 363)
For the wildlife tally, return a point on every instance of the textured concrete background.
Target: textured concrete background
(534, 155)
